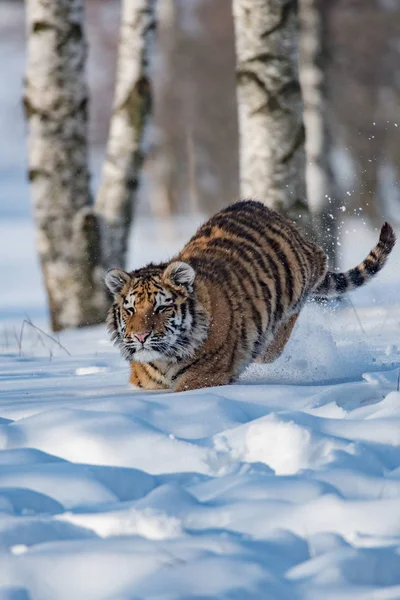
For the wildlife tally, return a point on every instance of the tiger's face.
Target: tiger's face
(155, 314)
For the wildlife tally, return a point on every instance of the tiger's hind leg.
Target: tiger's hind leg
(275, 348)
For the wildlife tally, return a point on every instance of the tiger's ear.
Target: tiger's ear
(180, 274)
(115, 280)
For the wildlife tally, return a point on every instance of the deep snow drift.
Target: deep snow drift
(285, 486)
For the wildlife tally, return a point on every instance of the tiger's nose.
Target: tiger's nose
(142, 337)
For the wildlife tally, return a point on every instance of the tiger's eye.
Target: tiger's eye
(159, 309)
(129, 309)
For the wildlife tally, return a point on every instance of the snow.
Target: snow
(284, 486)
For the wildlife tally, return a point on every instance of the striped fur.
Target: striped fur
(232, 295)
(335, 284)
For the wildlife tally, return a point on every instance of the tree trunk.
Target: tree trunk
(322, 193)
(132, 105)
(272, 154)
(56, 110)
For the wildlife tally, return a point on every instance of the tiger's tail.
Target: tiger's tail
(335, 284)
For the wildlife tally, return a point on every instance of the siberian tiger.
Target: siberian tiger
(231, 296)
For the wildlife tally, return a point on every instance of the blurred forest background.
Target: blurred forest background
(192, 158)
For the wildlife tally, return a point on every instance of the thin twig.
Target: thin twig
(356, 314)
(50, 337)
(38, 337)
(18, 340)
(21, 333)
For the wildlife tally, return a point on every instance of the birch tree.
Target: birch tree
(322, 193)
(73, 253)
(271, 130)
(132, 105)
(56, 105)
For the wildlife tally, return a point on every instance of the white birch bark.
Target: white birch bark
(56, 110)
(322, 193)
(272, 154)
(132, 103)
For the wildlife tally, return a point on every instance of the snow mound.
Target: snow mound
(284, 486)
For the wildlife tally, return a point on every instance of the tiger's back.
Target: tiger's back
(261, 265)
(272, 258)
(234, 292)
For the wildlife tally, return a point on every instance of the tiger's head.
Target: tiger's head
(156, 314)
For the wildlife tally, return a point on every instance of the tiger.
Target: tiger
(231, 296)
